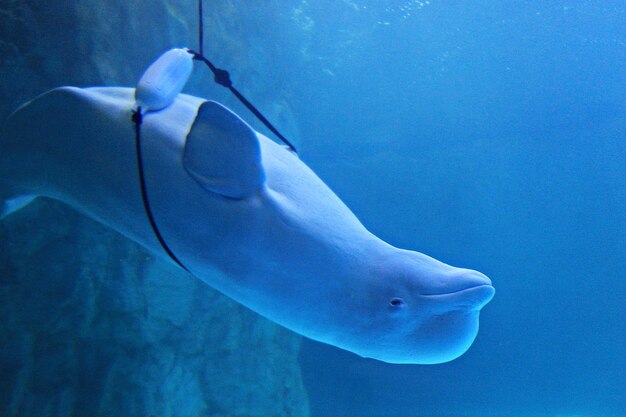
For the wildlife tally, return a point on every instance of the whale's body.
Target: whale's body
(245, 215)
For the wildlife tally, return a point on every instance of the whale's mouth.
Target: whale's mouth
(468, 290)
(459, 282)
(463, 289)
(472, 298)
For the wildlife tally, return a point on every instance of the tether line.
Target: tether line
(222, 77)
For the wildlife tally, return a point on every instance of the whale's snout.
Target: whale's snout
(465, 279)
(472, 290)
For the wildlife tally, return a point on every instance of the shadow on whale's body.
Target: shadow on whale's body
(245, 215)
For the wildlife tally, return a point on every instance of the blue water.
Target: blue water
(488, 134)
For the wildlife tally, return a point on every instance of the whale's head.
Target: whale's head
(418, 310)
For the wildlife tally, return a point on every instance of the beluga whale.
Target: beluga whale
(193, 183)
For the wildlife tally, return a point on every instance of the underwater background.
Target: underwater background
(488, 134)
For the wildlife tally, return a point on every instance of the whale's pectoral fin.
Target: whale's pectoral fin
(223, 153)
(12, 205)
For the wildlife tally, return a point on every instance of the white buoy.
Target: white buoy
(163, 80)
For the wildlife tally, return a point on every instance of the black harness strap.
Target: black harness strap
(137, 118)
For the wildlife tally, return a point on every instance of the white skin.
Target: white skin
(286, 246)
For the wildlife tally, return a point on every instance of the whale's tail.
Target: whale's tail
(10, 201)
(12, 205)
(42, 147)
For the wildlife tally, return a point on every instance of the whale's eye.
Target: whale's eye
(396, 302)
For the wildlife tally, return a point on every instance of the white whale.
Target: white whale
(245, 215)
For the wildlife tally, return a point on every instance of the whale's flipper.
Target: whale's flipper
(223, 154)
(14, 204)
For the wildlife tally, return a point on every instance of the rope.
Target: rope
(222, 77)
(137, 119)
